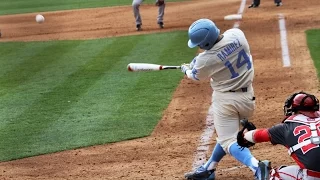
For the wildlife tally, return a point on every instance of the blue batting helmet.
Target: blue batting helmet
(203, 33)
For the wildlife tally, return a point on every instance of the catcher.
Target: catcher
(299, 132)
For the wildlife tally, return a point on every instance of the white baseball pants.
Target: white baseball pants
(228, 109)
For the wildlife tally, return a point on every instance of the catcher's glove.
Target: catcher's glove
(240, 138)
(159, 2)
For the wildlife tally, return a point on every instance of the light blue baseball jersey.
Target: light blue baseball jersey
(228, 63)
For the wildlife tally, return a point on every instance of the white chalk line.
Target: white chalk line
(284, 42)
(240, 11)
(204, 144)
(233, 168)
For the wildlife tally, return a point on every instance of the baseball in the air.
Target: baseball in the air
(39, 18)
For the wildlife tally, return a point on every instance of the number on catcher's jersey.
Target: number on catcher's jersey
(304, 133)
(243, 59)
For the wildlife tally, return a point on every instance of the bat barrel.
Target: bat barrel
(143, 67)
(148, 67)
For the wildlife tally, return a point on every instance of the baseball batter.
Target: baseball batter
(300, 133)
(136, 12)
(227, 61)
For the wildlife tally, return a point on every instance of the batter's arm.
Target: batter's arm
(196, 73)
(198, 69)
(201, 69)
(190, 69)
(189, 73)
(193, 62)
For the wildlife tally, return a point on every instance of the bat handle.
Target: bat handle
(170, 67)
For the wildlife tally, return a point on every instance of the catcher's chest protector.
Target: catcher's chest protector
(310, 129)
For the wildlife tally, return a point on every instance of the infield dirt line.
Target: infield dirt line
(233, 168)
(284, 41)
(204, 144)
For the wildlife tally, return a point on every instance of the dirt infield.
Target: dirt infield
(169, 152)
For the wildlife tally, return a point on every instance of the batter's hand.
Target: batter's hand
(185, 67)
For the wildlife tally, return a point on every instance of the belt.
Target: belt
(313, 173)
(240, 90)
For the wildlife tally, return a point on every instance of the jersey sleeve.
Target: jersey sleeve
(277, 134)
(201, 69)
(261, 135)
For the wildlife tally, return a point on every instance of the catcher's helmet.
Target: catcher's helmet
(203, 33)
(301, 101)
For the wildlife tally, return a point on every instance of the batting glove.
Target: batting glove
(185, 67)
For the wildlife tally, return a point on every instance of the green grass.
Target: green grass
(313, 40)
(28, 6)
(60, 95)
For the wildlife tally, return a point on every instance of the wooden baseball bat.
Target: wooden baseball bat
(149, 67)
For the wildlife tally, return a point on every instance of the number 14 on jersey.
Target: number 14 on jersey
(243, 59)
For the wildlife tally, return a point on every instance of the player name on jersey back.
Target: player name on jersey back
(229, 49)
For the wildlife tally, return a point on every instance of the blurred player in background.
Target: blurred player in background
(227, 61)
(256, 3)
(136, 12)
(300, 133)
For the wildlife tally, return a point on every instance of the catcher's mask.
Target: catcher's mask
(300, 101)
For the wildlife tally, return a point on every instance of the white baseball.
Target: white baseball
(39, 18)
